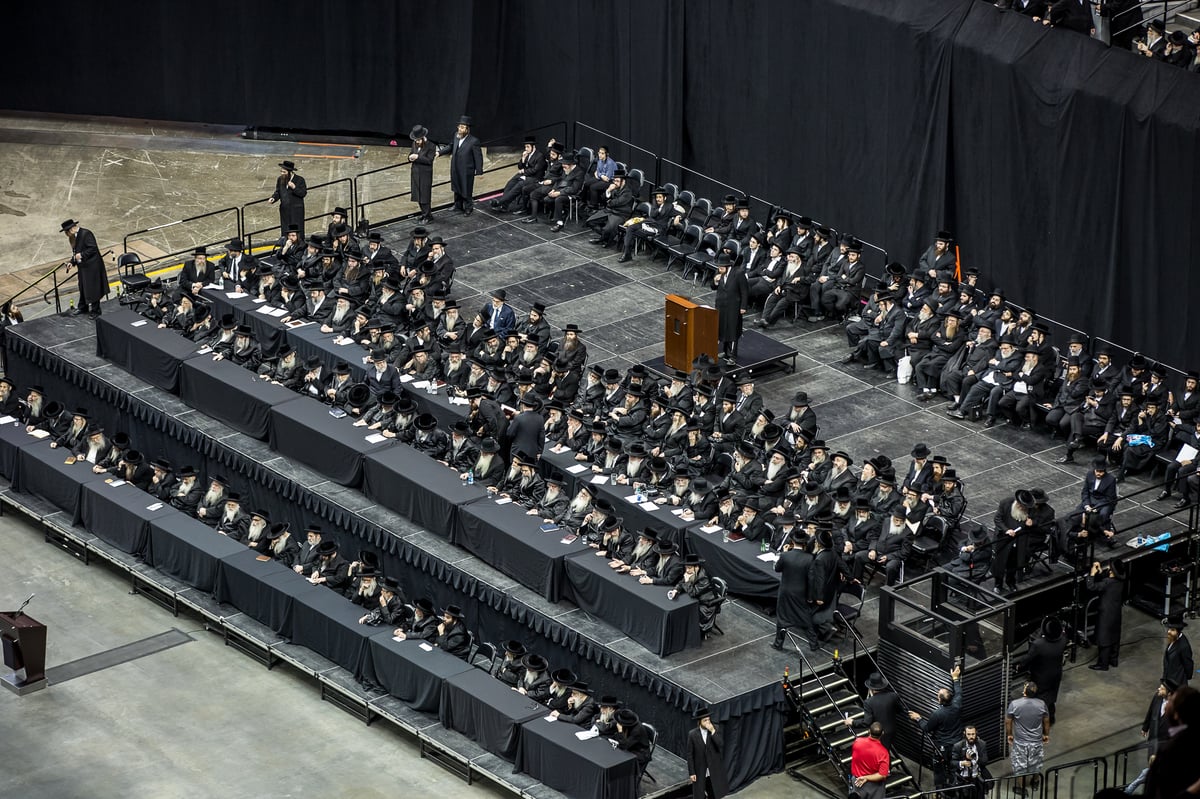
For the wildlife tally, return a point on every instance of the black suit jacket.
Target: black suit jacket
(706, 756)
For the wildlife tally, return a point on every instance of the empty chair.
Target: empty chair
(484, 656)
(636, 180)
(134, 280)
(693, 262)
(584, 158)
(928, 541)
(849, 611)
(688, 243)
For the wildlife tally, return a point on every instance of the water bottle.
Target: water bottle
(471, 478)
(763, 547)
(433, 387)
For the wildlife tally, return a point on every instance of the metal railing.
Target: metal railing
(609, 140)
(248, 235)
(237, 229)
(1168, 8)
(1072, 777)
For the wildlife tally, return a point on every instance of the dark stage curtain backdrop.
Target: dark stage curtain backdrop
(1068, 171)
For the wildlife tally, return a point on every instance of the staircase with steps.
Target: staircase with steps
(818, 743)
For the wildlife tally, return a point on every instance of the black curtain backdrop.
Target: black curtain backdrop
(1067, 170)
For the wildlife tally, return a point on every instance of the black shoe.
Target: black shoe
(1068, 458)
(777, 643)
(1164, 494)
(1098, 667)
(956, 414)
(520, 211)
(990, 422)
(596, 241)
(469, 211)
(1121, 476)
(557, 226)
(498, 206)
(1182, 503)
(529, 220)
(624, 259)
(75, 311)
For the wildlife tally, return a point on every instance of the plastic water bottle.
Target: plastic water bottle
(433, 387)
(763, 546)
(470, 477)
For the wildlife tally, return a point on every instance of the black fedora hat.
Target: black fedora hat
(418, 132)
(290, 166)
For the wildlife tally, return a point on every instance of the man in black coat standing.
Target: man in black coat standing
(92, 277)
(881, 705)
(1044, 662)
(290, 189)
(793, 606)
(525, 431)
(466, 161)
(706, 768)
(1178, 665)
(733, 297)
(1109, 584)
(420, 181)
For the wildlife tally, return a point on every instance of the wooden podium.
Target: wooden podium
(691, 329)
(24, 642)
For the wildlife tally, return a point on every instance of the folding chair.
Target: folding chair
(134, 280)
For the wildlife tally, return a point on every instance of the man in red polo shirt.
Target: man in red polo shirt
(869, 764)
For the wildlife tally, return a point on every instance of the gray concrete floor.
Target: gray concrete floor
(201, 719)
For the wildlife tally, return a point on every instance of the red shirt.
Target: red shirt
(869, 756)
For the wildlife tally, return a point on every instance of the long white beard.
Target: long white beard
(484, 462)
(279, 544)
(632, 469)
(641, 549)
(774, 469)
(256, 530)
(1018, 512)
(230, 514)
(675, 428)
(184, 488)
(513, 471)
(695, 498)
(551, 495)
(93, 451)
(580, 504)
(757, 428)
(212, 497)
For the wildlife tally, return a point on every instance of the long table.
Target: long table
(13, 436)
(642, 612)
(268, 330)
(139, 347)
(250, 585)
(420, 489)
(411, 672)
(736, 562)
(487, 711)
(551, 753)
(44, 471)
(233, 394)
(306, 433)
(187, 549)
(120, 513)
(512, 541)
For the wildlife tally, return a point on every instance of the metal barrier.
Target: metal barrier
(248, 235)
(1078, 778)
(608, 140)
(690, 179)
(237, 231)
(362, 187)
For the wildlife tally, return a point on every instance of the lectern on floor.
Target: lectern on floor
(691, 329)
(24, 642)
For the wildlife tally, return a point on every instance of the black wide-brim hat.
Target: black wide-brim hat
(418, 132)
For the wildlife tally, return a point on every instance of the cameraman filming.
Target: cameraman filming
(970, 758)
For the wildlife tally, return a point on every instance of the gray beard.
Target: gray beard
(256, 531)
(279, 544)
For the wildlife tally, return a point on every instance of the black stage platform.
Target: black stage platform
(757, 354)
(619, 308)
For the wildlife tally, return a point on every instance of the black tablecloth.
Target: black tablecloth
(268, 330)
(549, 752)
(250, 586)
(145, 351)
(305, 432)
(188, 550)
(120, 515)
(326, 622)
(440, 405)
(505, 537)
(309, 341)
(736, 562)
(417, 487)
(408, 672)
(44, 472)
(13, 436)
(232, 394)
(634, 517)
(642, 612)
(487, 711)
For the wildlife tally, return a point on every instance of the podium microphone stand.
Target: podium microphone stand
(24, 644)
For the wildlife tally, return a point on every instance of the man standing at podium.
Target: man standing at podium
(733, 294)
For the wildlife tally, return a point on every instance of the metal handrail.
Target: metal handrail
(1099, 766)
(1166, 12)
(613, 138)
(236, 211)
(250, 234)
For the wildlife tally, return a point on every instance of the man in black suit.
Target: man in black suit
(1109, 584)
(530, 169)
(732, 300)
(881, 705)
(452, 635)
(794, 603)
(1044, 662)
(290, 190)
(937, 262)
(633, 737)
(524, 431)
(1157, 725)
(420, 181)
(568, 185)
(89, 266)
(1092, 518)
(1178, 665)
(616, 210)
(466, 161)
(706, 766)
(382, 376)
